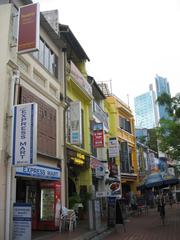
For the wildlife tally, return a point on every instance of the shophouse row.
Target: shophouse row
(85, 134)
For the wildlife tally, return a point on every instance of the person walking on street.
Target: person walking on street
(170, 196)
(158, 201)
(162, 204)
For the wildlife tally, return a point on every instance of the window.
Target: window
(125, 124)
(46, 135)
(47, 58)
(125, 157)
(41, 52)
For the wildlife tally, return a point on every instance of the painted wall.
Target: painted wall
(40, 82)
(5, 12)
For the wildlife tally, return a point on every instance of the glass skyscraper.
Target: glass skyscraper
(145, 110)
(162, 86)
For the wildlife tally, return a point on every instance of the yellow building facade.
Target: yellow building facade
(121, 122)
(78, 99)
(78, 153)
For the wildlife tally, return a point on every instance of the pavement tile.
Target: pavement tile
(137, 228)
(150, 227)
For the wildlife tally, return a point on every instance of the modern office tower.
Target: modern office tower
(162, 86)
(146, 110)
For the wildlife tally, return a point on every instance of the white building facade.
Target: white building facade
(32, 77)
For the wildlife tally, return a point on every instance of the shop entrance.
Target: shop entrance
(44, 196)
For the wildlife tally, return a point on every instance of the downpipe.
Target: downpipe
(13, 81)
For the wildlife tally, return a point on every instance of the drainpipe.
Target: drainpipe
(64, 122)
(14, 79)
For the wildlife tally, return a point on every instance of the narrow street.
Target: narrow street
(150, 227)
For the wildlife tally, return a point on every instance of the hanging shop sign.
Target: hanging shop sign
(76, 123)
(77, 158)
(22, 221)
(98, 135)
(101, 194)
(24, 145)
(114, 187)
(95, 163)
(113, 147)
(100, 171)
(28, 34)
(101, 115)
(98, 139)
(113, 168)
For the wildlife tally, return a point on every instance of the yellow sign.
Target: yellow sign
(79, 159)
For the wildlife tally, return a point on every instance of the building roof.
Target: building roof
(51, 33)
(97, 92)
(68, 36)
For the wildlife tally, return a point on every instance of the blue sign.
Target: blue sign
(24, 150)
(38, 171)
(98, 127)
(22, 221)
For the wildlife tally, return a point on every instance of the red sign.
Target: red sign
(98, 138)
(28, 35)
(113, 168)
(95, 163)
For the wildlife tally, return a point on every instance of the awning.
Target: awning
(38, 171)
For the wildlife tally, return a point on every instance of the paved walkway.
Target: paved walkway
(82, 232)
(137, 228)
(150, 227)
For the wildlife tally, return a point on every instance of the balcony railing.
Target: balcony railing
(80, 79)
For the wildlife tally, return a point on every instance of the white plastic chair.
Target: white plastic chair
(71, 220)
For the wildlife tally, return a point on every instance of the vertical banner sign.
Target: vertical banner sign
(113, 147)
(76, 123)
(28, 33)
(98, 135)
(24, 134)
(22, 221)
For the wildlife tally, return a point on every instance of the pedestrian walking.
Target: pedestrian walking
(162, 204)
(158, 201)
(170, 196)
(133, 201)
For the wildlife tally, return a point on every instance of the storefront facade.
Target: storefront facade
(122, 140)
(34, 77)
(40, 186)
(79, 97)
(78, 172)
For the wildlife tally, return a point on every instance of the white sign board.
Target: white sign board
(24, 145)
(113, 147)
(100, 171)
(76, 126)
(101, 194)
(22, 221)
